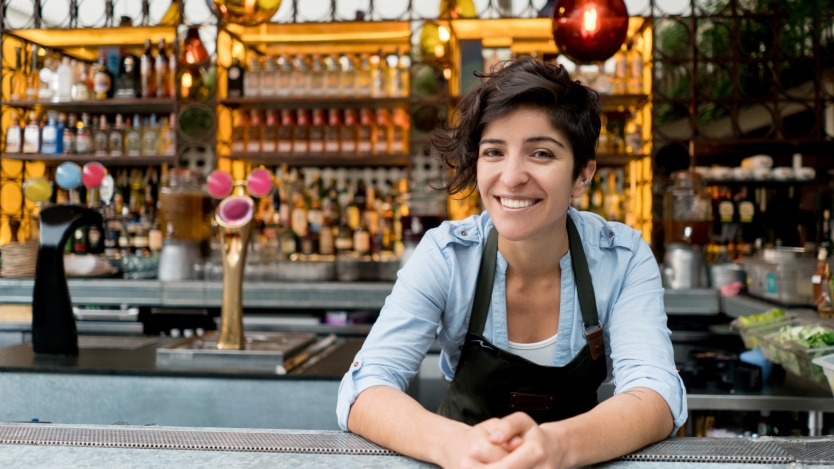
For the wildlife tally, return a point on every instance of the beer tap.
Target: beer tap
(234, 217)
(53, 324)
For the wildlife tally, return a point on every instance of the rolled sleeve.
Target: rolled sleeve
(641, 349)
(404, 331)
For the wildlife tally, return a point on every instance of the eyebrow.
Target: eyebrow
(498, 141)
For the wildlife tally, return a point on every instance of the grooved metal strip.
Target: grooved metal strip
(317, 443)
(714, 450)
(809, 450)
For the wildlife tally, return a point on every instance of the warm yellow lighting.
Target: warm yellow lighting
(443, 33)
(439, 51)
(590, 21)
(447, 73)
(186, 80)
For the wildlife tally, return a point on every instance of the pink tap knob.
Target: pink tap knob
(219, 184)
(260, 183)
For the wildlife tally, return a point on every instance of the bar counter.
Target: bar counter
(35, 445)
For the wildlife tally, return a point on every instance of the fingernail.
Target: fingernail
(516, 441)
(497, 436)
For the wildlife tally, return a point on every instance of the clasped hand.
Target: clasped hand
(513, 442)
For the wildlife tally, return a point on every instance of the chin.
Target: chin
(513, 230)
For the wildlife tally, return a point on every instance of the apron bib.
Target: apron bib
(493, 383)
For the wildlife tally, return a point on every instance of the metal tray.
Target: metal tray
(264, 352)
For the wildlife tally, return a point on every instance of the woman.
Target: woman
(533, 303)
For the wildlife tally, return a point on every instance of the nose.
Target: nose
(514, 173)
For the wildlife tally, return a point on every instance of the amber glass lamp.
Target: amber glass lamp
(245, 12)
(589, 31)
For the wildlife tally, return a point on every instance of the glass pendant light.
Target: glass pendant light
(589, 31)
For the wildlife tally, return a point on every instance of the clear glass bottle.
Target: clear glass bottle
(363, 77)
(133, 138)
(270, 132)
(101, 137)
(267, 80)
(301, 133)
(116, 137)
(49, 136)
(83, 140)
(167, 137)
(285, 132)
(14, 136)
(347, 77)
(32, 135)
(400, 74)
(283, 76)
(150, 136)
(251, 82)
(33, 78)
(17, 87)
(332, 78)
(317, 76)
(45, 74)
(379, 76)
(80, 90)
(300, 77)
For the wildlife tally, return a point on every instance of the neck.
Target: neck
(537, 255)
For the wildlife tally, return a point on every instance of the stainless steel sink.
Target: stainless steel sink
(264, 352)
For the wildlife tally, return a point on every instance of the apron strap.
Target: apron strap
(591, 326)
(483, 289)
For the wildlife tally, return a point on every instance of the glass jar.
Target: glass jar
(687, 210)
(181, 207)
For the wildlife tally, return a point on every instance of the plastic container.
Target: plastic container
(765, 338)
(826, 364)
(792, 356)
(746, 330)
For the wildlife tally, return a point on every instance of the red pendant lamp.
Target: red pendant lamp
(589, 30)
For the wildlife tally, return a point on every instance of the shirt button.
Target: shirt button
(355, 364)
(610, 235)
(463, 233)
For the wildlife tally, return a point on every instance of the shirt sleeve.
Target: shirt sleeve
(641, 348)
(407, 325)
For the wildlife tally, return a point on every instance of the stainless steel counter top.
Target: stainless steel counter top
(46, 445)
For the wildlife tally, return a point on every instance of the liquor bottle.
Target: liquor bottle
(150, 136)
(33, 78)
(167, 137)
(283, 76)
(171, 76)
(147, 72)
(635, 82)
(129, 83)
(726, 208)
(399, 73)
(825, 304)
(333, 132)
(301, 133)
(362, 240)
(254, 132)
(102, 80)
(69, 137)
(32, 135)
(45, 91)
(347, 77)
(195, 52)
(116, 137)
(133, 139)
(64, 81)
(267, 79)
(14, 136)
(285, 132)
(251, 83)
(381, 132)
(101, 137)
(269, 143)
(363, 76)
(300, 77)
(825, 237)
(612, 200)
(349, 133)
(239, 132)
(95, 241)
(163, 84)
(364, 145)
(326, 240)
(79, 241)
(80, 90)
(746, 206)
(816, 279)
(597, 198)
(60, 125)
(317, 132)
(621, 71)
(298, 221)
(83, 139)
(379, 76)
(17, 87)
(344, 239)
(317, 72)
(332, 75)
(234, 79)
(399, 137)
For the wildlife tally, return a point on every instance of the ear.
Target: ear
(587, 174)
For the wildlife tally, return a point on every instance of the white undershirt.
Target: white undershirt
(540, 353)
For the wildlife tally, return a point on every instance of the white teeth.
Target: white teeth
(515, 203)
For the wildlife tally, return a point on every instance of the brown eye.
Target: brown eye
(490, 152)
(543, 154)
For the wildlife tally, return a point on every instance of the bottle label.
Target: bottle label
(316, 219)
(746, 210)
(362, 242)
(149, 144)
(726, 210)
(268, 145)
(133, 145)
(316, 146)
(299, 222)
(115, 143)
(49, 144)
(326, 241)
(101, 83)
(234, 73)
(31, 139)
(13, 140)
(83, 144)
(300, 146)
(344, 244)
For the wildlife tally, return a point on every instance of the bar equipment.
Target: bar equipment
(53, 325)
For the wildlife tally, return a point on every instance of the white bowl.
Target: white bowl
(805, 173)
(762, 174)
(758, 161)
(721, 173)
(782, 173)
(742, 174)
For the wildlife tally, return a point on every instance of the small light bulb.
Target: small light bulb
(443, 34)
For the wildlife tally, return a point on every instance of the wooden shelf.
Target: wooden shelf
(341, 102)
(110, 106)
(616, 159)
(613, 103)
(105, 160)
(322, 159)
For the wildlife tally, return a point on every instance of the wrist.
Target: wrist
(560, 440)
(449, 440)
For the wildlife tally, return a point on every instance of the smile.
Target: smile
(517, 203)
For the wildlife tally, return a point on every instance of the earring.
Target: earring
(587, 182)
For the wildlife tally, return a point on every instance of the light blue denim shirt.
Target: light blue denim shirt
(434, 292)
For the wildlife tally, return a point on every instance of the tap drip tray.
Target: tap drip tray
(265, 352)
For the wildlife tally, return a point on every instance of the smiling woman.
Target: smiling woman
(533, 304)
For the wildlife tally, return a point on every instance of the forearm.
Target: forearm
(392, 419)
(622, 424)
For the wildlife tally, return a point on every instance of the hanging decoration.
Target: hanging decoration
(245, 12)
(588, 31)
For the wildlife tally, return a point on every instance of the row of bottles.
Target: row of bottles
(619, 138)
(55, 78)
(330, 131)
(607, 196)
(357, 214)
(346, 75)
(625, 78)
(59, 134)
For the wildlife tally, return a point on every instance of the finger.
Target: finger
(527, 456)
(491, 426)
(513, 444)
(483, 451)
(516, 424)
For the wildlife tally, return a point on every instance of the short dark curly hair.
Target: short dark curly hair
(573, 109)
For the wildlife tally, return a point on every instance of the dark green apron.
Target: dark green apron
(490, 382)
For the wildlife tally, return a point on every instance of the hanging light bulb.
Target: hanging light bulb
(589, 30)
(245, 12)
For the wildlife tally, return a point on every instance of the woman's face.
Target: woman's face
(525, 169)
